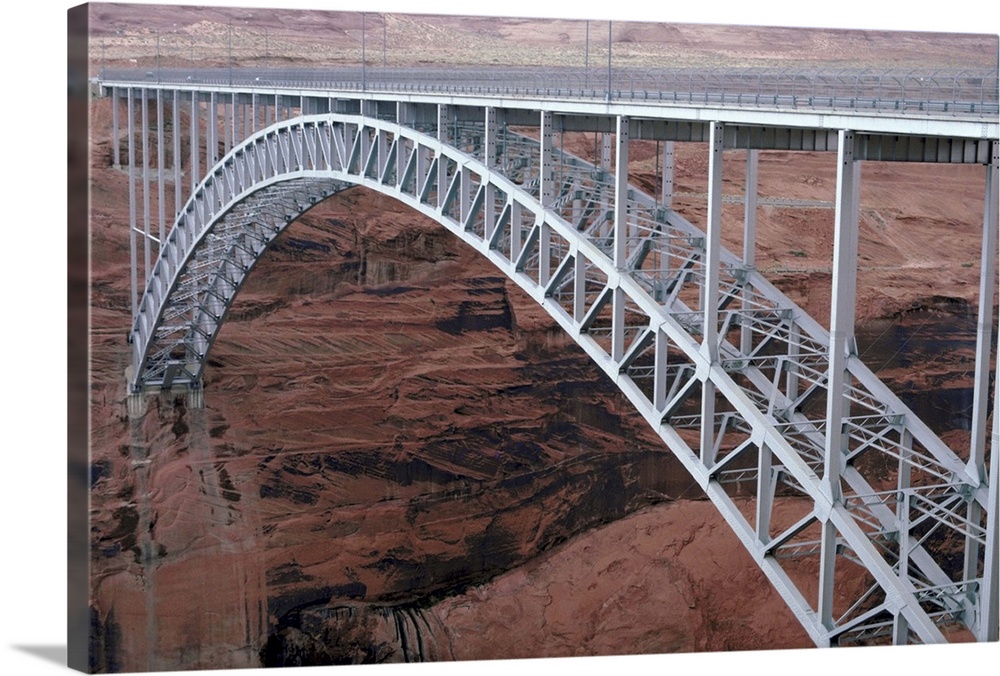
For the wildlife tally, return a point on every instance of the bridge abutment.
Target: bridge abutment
(137, 402)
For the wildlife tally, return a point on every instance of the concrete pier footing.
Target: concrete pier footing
(137, 402)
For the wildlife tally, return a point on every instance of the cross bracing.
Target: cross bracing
(846, 500)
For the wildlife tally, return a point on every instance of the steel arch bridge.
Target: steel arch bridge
(763, 406)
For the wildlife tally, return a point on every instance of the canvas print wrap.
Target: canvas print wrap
(430, 338)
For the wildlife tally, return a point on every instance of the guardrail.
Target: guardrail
(960, 93)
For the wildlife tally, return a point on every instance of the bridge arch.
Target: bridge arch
(278, 174)
(703, 377)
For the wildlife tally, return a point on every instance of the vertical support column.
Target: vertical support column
(383, 153)
(253, 114)
(900, 629)
(984, 346)
(442, 169)
(713, 244)
(904, 476)
(618, 325)
(195, 168)
(989, 597)
(845, 258)
(234, 120)
(211, 131)
(144, 116)
(765, 493)
(464, 188)
(131, 204)
(749, 240)
(491, 129)
(792, 368)
(667, 180)
(710, 290)
(403, 118)
(547, 172)
(621, 193)
(842, 345)
(160, 177)
(984, 333)
(515, 229)
(227, 132)
(827, 566)
(605, 161)
(660, 371)
(579, 287)
(116, 160)
(546, 191)
(544, 253)
(423, 167)
(176, 114)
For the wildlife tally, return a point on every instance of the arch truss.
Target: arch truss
(866, 523)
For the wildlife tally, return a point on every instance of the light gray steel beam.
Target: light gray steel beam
(195, 167)
(660, 365)
(176, 154)
(621, 194)
(116, 161)
(491, 129)
(766, 485)
(211, 126)
(253, 113)
(989, 599)
(579, 287)
(710, 290)
(749, 239)
(161, 178)
(547, 171)
(146, 254)
(985, 329)
(844, 283)
(443, 117)
(618, 325)
(713, 244)
(841, 349)
(227, 120)
(132, 218)
(984, 345)
(667, 178)
(231, 124)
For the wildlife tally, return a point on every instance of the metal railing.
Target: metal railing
(959, 93)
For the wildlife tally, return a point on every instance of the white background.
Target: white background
(33, 307)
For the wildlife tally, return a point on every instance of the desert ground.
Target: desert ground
(400, 457)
